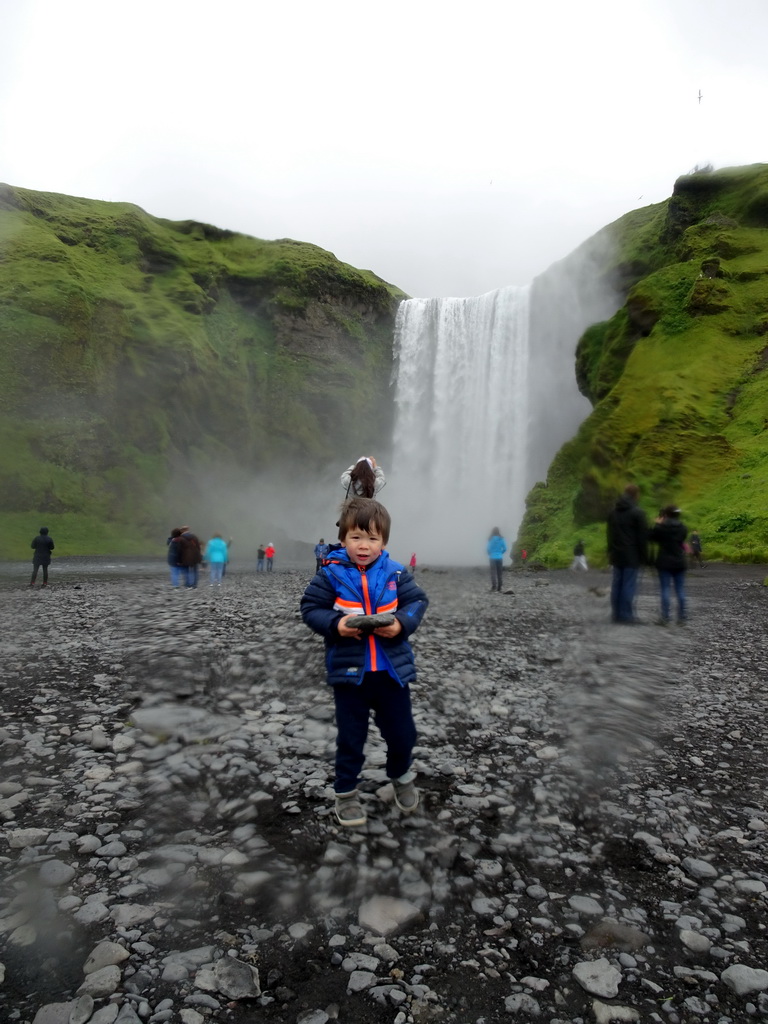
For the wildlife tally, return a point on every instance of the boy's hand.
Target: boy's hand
(389, 631)
(344, 630)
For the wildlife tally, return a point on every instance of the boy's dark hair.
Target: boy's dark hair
(361, 514)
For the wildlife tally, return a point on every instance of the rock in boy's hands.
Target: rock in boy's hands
(389, 631)
(344, 630)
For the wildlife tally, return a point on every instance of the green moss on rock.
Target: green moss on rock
(137, 350)
(678, 378)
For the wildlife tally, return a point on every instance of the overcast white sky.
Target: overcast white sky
(450, 147)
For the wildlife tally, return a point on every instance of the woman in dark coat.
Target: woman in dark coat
(669, 534)
(42, 545)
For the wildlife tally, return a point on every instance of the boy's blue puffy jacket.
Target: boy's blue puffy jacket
(341, 588)
(496, 547)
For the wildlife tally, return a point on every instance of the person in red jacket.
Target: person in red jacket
(270, 555)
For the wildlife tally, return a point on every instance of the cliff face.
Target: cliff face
(138, 355)
(678, 377)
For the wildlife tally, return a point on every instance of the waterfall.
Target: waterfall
(459, 463)
(485, 396)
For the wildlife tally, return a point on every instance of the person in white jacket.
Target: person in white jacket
(363, 479)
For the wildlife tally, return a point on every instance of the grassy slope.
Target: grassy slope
(679, 378)
(136, 351)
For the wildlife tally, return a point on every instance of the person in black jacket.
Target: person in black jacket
(669, 534)
(627, 552)
(42, 545)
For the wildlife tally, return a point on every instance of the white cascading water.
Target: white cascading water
(485, 396)
(459, 463)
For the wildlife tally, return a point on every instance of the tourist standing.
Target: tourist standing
(270, 556)
(363, 479)
(174, 554)
(669, 533)
(217, 556)
(412, 563)
(42, 546)
(190, 556)
(695, 541)
(321, 550)
(627, 535)
(369, 671)
(260, 556)
(579, 558)
(496, 548)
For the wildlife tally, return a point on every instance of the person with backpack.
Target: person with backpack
(190, 556)
(174, 554)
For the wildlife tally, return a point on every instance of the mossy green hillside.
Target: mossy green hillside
(138, 352)
(678, 378)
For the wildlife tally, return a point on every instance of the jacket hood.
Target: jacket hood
(624, 502)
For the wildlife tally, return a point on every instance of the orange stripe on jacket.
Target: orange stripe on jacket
(368, 610)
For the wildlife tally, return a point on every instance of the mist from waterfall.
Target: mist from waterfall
(485, 396)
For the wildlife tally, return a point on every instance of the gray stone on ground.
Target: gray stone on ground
(53, 1013)
(101, 983)
(598, 977)
(233, 978)
(104, 955)
(56, 872)
(744, 980)
(384, 915)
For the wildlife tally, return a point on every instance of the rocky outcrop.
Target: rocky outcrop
(677, 378)
(144, 355)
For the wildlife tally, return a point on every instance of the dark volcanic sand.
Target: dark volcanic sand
(560, 757)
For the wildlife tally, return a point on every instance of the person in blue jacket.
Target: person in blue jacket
(216, 555)
(369, 671)
(496, 547)
(321, 550)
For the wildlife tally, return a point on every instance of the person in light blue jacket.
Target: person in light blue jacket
(496, 547)
(217, 556)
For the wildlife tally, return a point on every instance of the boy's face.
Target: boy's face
(363, 546)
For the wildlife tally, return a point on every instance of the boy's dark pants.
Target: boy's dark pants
(391, 705)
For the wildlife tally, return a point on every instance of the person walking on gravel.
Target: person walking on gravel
(695, 541)
(627, 531)
(42, 545)
(190, 556)
(370, 665)
(496, 547)
(669, 534)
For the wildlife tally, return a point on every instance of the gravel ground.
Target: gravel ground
(591, 843)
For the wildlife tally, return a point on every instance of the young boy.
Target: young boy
(368, 671)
